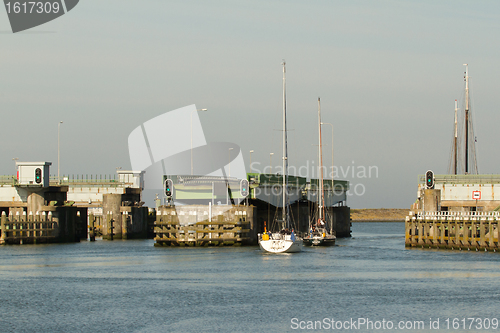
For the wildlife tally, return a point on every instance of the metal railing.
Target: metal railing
(462, 179)
(84, 179)
(8, 180)
(70, 180)
(455, 214)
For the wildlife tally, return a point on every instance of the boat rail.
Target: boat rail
(276, 236)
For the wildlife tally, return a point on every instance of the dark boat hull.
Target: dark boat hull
(319, 241)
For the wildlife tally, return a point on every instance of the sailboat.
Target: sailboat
(285, 240)
(320, 233)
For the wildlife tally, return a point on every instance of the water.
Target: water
(132, 286)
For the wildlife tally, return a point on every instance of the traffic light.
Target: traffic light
(429, 179)
(244, 187)
(38, 175)
(169, 187)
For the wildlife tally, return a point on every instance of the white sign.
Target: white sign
(476, 195)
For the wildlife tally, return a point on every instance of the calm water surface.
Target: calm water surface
(132, 286)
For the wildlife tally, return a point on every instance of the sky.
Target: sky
(387, 73)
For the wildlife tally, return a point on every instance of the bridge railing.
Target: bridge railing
(7, 180)
(70, 180)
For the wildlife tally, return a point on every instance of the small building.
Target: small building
(461, 193)
(33, 173)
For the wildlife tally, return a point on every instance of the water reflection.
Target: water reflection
(132, 286)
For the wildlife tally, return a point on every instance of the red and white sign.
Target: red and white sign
(476, 195)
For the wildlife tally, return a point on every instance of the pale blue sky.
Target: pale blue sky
(387, 72)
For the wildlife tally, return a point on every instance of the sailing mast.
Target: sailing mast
(456, 139)
(466, 118)
(464, 160)
(320, 157)
(285, 155)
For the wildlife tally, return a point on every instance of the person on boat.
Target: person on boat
(292, 237)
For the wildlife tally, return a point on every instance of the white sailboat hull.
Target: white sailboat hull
(278, 243)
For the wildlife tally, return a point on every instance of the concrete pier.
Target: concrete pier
(453, 230)
(124, 217)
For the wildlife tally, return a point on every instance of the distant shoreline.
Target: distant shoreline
(379, 215)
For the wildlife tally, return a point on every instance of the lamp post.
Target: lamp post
(230, 161)
(192, 137)
(271, 162)
(59, 152)
(332, 150)
(251, 151)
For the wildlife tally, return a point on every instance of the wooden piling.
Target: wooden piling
(3, 221)
(110, 225)
(230, 228)
(482, 240)
(124, 224)
(91, 227)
